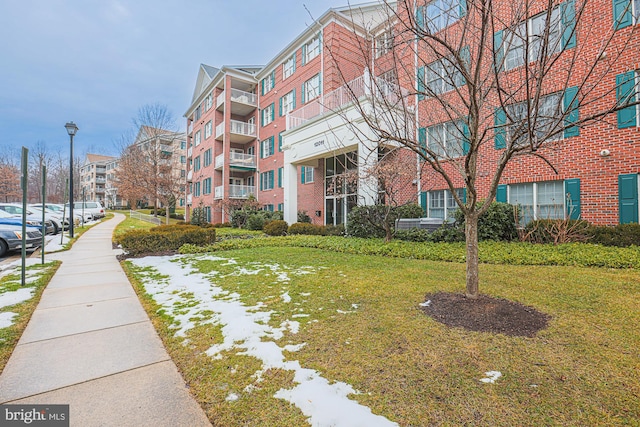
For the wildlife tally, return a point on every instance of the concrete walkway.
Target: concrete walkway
(91, 345)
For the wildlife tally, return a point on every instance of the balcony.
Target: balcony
(242, 103)
(384, 92)
(235, 191)
(240, 132)
(237, 161)
(190, 152)
(189, 199)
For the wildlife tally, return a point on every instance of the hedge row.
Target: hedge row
(165, 238)
(491, 252)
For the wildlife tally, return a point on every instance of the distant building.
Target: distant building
(93, 177)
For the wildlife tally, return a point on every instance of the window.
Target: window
(280, 178)
(196, 164)
(183, 159)
(208, 102)
(198, 113)
(627, 90)
(311, 49)
(311, 88)
(268, 82)
(511, 44)
(267, 208)
(384, 43)
(446, 140)
(198, 138)
(183, 145)
(183, 173)
(266, 180)
(626, 13)
(289, 66)
(545, 119)
(267, 148)
(267, 115)
(281, 207)
(206, 186)
(287, 103)
(207, 129)
(439, 14)
(306, 174)
(441, 203)
(543, 200)
(441, 76)
(196, 189)
(207, 157)
(207, 213)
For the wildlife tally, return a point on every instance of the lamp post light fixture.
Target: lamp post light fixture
(72, 129)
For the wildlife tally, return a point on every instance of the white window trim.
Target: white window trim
(315, 51)
(535, 197)
(289, 67)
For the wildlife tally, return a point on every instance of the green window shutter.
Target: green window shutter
(262, 181)
(498, 50)
(302, 101)
(464, 195)
(628, 198)
(568, 15)
(421, 84)
(572, 190)
(273, 79)
(465, 140)
(570, 101)
(501, 194)
(262, 87)
(294, 98)
(622, 14)
(423, 202)
(303, 60)
(463, 8)
(261, 150)
(294, 62)
(280, 107)
(500, 120)
(319, 83)
(280, 141)
(420, 17)
(271, 145)
(625, 86)
(422, 142)
(261, 117)
(302, 174)
(280, 170)
(271, 179)
(273, 111)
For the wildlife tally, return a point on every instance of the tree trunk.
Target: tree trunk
(168, 215)
(471, 234)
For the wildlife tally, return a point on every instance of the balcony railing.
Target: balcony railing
(238, 127)
(386, 92)
(235, 191)
(238, 95)
(239, 160)
(189, 199)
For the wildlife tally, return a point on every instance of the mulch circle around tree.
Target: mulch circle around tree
(484, 314)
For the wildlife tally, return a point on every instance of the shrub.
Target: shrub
(556, 231)
(277, 227)
(255, 221)
(198, 216)
(414, 235)
(165, 238)
(303, 217)
(375, 220)
(222, 225)
(334, 230)
(622, 235)
(306, 228)
(498, 223)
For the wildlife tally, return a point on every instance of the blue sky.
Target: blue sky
(97, 61)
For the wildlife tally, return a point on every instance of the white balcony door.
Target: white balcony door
(236, 181)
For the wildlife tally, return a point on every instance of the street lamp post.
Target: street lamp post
(71, 130)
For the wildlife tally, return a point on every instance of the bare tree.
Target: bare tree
(494, 82)
(9, 178)
(147, 168)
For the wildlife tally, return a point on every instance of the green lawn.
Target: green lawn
(360, 318)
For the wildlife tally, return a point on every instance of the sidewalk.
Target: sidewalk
(91, 345)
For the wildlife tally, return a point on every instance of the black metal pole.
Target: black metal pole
(71, 188)
(24, 181)
(44, 197)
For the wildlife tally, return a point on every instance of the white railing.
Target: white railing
(219, 161)
(190, 152)
(219, 129)
(189, 199)
(386, 92)
(242, 160)
(241, 191)
(238, 95)
(218, 192)
(220, 100)
(144, 217)
(243, 128)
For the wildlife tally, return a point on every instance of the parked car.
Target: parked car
(59, 208)
(56, 218)
(94, 208)
(16, 209)
(11, 238)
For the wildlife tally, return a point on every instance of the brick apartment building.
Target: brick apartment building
(289, 131)
(93, 177)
